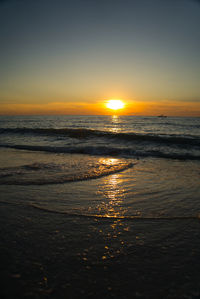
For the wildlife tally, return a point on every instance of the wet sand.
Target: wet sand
(47, 255)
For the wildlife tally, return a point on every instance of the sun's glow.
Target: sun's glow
(115, 104)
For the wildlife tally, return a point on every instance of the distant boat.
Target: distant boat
(162, 115)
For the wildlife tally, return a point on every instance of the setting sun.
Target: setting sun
(115, 104)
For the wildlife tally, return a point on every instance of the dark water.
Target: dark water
(124, 192)
(161, 157)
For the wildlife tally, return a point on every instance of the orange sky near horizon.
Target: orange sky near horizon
(151, 108)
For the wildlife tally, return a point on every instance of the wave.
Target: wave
(107, 217)
(105, 151)
(116, 217)
(50, 173)
(87, 133)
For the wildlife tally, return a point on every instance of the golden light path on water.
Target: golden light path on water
(115, 124)
(113, 193)
(111, 208)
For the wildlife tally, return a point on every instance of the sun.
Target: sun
(115, 104)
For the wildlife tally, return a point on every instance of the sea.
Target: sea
(106, 166)
(131, 177)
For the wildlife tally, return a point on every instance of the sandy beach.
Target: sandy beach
(57, 256)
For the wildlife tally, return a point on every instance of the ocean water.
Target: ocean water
(105, 166)
(100, 206)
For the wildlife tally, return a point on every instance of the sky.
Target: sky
(72, 56)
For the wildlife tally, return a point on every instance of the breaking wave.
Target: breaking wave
(51, 173)
(87, 133)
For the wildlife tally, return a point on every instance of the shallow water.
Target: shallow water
(101, 186)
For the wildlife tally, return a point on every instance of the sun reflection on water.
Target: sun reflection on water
(110, 161)
(113, 194)
(115, 124)
(111, 232)
(112, 208)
